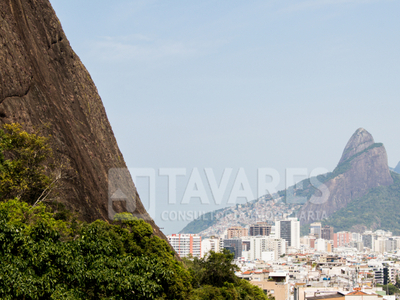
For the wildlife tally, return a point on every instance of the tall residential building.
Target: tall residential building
(391, 245)
(356, 237)
(380, 245)
(315, 229)
(323, 245)
(186, 244)
(266, 248)
(308, 241)
(289, 230)
(211, 244)
(384, 275)
(378, 275)
(327, 233)
(342, 238)
(245, 244)
(368, 240)
(236, 232)
(260, 228)
(383, 233)
(235, 246)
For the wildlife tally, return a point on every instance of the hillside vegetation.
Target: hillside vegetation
(46, 253)
(378, 209)
(201, 223)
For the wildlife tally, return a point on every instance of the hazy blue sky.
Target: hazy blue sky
(278, 84)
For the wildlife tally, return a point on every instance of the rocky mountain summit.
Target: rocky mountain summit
(44, 85)
(363, 166)
(360, 193)
(359, 141)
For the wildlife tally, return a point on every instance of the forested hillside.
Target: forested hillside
(46, 252)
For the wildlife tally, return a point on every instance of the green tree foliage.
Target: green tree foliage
(397, 282)
(125, 216)
(215, 269)
(214, 278)
(45, 253)
(377, 209)
(242, 290)
(390, 288)
(45, 258)
(21, 163)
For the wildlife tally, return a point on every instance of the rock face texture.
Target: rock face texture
(360, 140)
(43, 84)
(363, 165)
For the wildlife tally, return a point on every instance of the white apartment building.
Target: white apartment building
(380, 245)
(265, 248)
(289, 230)
(212, 244)
(186, 244)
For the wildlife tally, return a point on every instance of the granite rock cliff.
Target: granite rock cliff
(363, 166)
(43, 84)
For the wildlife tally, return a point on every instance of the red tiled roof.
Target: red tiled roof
(246, 272)
(357, 293)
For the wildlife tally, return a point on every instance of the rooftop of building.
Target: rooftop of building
(327, 296)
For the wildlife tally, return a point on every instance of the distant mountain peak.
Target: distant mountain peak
(397, 169)
(361, 180)
(359, 141)
(363, 166)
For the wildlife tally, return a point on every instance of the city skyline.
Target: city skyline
(243, 85)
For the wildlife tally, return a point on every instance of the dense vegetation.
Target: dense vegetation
(377, 209)
(48, 254)
(21, 164)
(45, 258)
(213, 277)
(390, 288)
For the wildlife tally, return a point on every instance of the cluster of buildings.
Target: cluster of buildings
(320, 265)
(250, 213)
(259, 241)
(324, 239)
